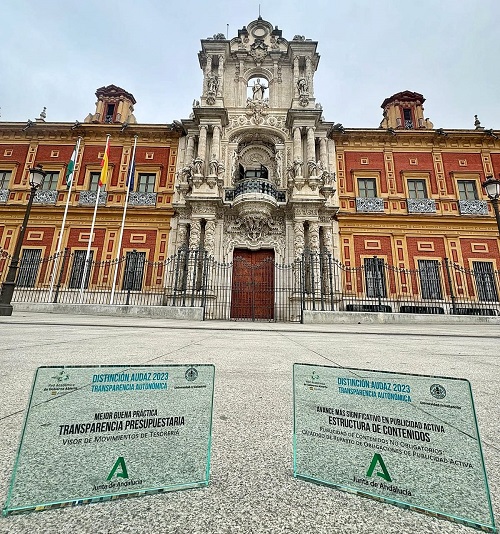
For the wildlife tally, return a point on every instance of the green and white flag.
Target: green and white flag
(70, 169)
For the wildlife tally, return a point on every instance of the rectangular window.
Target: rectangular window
(28, 267)
(94, 181)
(485, 280)
(50, 181)
(430, 281)
(375, 278)
(367, 187)
(146, 182)
(417, 189)
(75, 279)
(467, 190)
(5, 177)
(134, 271)
(408, 119)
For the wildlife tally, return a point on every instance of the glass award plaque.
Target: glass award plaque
(99, 433)
(410, 440)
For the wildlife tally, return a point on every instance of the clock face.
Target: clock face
(259, 32)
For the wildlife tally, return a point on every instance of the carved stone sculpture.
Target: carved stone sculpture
(210, 237)
(298, 238)
(278, 158)
(213, 164)
(198, 165)
(258, 90)
(297, 167)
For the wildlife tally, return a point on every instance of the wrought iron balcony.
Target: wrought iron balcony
(421, 205)
(137, 198)
(473, 207)
(263, 187)
(370, 204)
(4, 195)
(45, 196)
(87, 198)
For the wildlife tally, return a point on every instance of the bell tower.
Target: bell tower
(114, 106)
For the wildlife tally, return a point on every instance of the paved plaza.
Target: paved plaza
(252, 488)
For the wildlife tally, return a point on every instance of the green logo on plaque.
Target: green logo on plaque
(120, 463)
(377, 459)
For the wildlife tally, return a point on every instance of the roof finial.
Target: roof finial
(260, 18)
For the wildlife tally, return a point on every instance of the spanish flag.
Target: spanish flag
(104, 164)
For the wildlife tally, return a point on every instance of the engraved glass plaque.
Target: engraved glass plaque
(96, 433)
(410, 440)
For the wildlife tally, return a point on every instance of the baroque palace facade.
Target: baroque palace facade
(257, 176)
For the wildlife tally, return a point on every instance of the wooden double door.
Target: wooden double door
(252, 293)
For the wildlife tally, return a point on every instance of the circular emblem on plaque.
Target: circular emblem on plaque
(191, 374)
(438, 391)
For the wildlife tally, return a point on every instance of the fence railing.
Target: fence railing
(267, 290)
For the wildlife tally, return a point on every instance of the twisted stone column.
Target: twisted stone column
(181, 235)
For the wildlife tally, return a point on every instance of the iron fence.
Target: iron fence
(266, 290)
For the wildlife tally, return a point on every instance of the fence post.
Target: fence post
(321, 281)
(379, 283)
(313, 287)
(130, 274)
(330, 278)
(59, 279)
(302, 278)
(450, 283)
(194, 275)
(204, 282)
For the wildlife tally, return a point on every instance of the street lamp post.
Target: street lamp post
(37, 174)
(492, 188)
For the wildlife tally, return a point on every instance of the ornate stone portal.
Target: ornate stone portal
(256, 168)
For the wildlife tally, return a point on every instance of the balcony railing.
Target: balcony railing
(142, 199)
(263, 187)
(87, 198)
(370, 204)
(4, 195)
(473, 207)
(45, 196)
(421, 205)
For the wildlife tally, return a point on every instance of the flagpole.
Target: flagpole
(87, 256)
(59, 243)
(128, 183)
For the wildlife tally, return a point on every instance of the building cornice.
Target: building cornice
(436, 139)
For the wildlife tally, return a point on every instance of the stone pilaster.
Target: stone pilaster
(298, 239)
(195, 234)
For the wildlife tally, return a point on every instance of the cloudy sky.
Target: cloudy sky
(56, 53)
